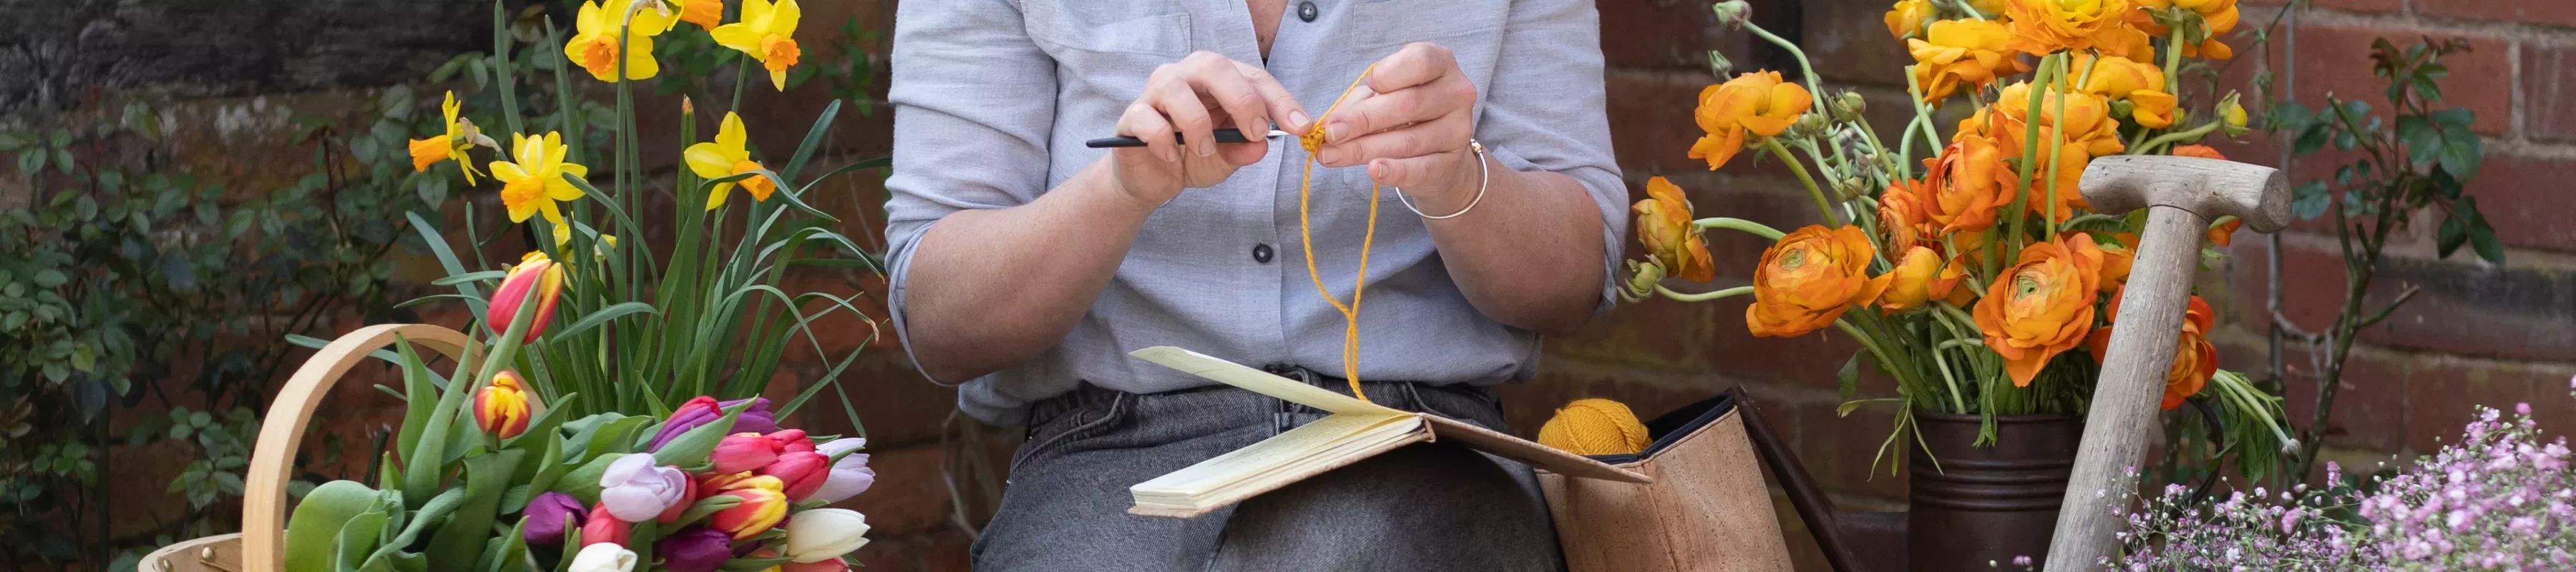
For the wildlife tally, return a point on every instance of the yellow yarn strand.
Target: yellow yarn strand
(1312, 140)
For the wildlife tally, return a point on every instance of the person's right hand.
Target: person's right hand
(1194, 97)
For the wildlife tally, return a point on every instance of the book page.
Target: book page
(1282, 450)
(1258, 381)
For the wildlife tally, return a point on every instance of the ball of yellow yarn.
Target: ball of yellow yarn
(1595, 427)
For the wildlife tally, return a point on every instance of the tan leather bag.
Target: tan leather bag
(1706, 510)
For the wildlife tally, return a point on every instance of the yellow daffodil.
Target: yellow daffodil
(727, 157)
(534, 183)
(766, 32)
(1962, 51)
(705, 13)
(452, 145)
(595, 48)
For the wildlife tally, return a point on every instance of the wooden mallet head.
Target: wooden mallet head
(2181, 196)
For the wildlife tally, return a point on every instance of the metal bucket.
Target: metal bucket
(1983, 506)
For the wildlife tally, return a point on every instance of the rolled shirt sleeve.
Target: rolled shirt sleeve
(1543, 111)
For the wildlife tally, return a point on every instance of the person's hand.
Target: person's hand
(1195, 96)
(1410, 126)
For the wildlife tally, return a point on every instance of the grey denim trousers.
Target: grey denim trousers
(1430, 506)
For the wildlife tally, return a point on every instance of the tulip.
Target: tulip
(672, 514)
(635, 490)
(603, 558)
(742, 452)
(825, 533)
(790, 440)
(502, 408)
(831, 565)
(548, 515)
(602, 527)
(534, 273)
(698, 549)
(761, 509)
(800, 473)
(701, 410)
(850, 474)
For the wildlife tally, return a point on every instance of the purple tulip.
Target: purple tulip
(636, 490)
(698, 549)
(702, 410)
(549, 515)
(850, 474)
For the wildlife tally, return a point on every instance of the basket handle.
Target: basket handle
(281, 432)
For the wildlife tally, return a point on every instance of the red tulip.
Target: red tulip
(790, 440)
(534, 273)
(502, 408)
(743, 452)
(800, 473)
(760, 510)
(671, 515)
(603, 527)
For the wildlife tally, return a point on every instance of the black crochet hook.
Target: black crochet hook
(1226, 135)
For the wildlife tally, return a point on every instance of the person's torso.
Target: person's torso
(1221, 270)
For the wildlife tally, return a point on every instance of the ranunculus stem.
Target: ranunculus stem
(1823, 207)
(1702, 296)
(1815, 87)
(1757, 229)
(2176, 137)
(1923, 114)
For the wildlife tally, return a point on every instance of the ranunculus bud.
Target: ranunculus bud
(698, 549)
(2231, 116)
(760, 510)
(1642, 279)
(742, 452)
(603, 558)
(850, 474)
(1850, 105)
(535, 273)
(601, 527)
(800, 473)
(547, 516)
(635, 490)
(1732, 12)
(825, 533)
(502, 407)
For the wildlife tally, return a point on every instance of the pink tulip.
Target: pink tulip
(790, 440)
(800, 472)
(534, 272)
(602, 527)
(743, 452)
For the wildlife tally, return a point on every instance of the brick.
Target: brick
(2525, 199)
(2548, 74)
(2446, 392)
(2463, 308)
(1663, 35)
(2336, 59)
(1650, 118)
(2351, 5)
(2370, 409)
(1847, 41)
(2523, 11)
(911, 495)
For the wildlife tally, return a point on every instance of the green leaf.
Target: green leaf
(315, 527)
(2423, 140)
(595, 319)
(2312, 139)
(582, 482)
(447, 260)
(2310, 200)
(2462, 152)
(50, 278)
(12, 142)
(419, 401)
(62, 138)
(692, 447)
(31, 160)
(2454, 117)
(459, 543)
(1849, 376)
(470, 277)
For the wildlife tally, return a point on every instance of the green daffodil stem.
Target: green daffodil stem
(1815, 87)
(1702, 296)
(2193, 134)
(1737, 224)
(1823, 207)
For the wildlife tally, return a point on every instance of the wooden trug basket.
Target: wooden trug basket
(261, 546)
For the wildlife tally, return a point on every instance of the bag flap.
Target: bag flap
(1538, 456)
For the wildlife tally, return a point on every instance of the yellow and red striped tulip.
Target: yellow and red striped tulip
(535, 273)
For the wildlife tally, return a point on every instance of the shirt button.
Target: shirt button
(1306, 11)
(1261, 253)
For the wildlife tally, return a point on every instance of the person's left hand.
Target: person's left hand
(1410, 125)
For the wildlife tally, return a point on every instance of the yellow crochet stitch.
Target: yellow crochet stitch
(1312, 140)
(1595, 427)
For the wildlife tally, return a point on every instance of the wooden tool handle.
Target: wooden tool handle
(281, 431)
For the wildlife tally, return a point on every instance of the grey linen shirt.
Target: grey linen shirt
(993, 99)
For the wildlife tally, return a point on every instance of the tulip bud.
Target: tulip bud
(547, 516)
(635, 490)
(502, 408)
(825, 533)
(760, 510)
(698, 549)
(850, 474)
(535, 273)
(800, 473)
(743, 452)
(603, 558)
(602, 527)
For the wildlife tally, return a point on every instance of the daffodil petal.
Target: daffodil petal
(756, 13)
(706, 161)
(731, 139)
(778, 78)
(783, 17)
(507, 171)
(590, 20)
(716, 197)
(739, 36)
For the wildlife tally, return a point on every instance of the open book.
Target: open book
(1356, 430)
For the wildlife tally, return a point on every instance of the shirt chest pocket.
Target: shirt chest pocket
(1107, 49)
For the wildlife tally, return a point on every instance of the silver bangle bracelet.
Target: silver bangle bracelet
(1486, 180)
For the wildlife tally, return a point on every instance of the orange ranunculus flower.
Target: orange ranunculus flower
(2089, 132)
(1905, 19)
(1902, 217)
(1758, 102)
(1953, 52)
(2201, 151)
(2117, 258)
(1968, 250)
(1966, 186)
(2043, 27)
(2124, 79)
(2042, 305)
(2219, 16)
(1809, 278)
(2195, 359)
(1920, 278)
(2224, 233)
(1664, 227)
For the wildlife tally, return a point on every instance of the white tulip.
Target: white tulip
(825, 533)
(604, 557)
